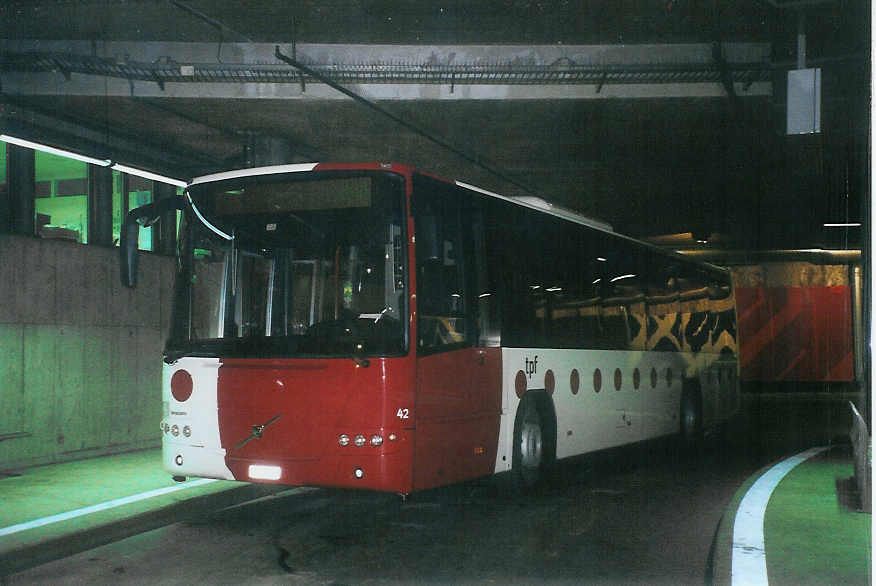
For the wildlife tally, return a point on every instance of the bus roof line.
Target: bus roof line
(566, 214)
(545, 206)
(254, 171)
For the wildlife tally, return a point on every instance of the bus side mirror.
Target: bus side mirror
(130, 236)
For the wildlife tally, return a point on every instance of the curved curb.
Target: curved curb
(748, 555)
(41, 550)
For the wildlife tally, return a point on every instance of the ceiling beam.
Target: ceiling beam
(20, 120)
(384, 72)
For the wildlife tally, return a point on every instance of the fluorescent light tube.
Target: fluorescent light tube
(148, 175)
(842, 225)
(52, 150)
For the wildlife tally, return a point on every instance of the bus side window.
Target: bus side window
(662, 306)
(524, 304)
(441, 291)
(694, 306)
(561, 287)
(483, 279)
(622, 311)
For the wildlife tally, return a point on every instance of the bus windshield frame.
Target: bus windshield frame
(307, 264)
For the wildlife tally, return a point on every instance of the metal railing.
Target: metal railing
(861, 445)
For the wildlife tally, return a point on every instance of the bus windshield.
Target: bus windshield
(304, 264)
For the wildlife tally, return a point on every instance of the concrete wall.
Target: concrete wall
(790, 274)
(795, 323)
(80, 355)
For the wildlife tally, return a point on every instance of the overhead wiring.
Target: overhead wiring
(401, 121)
(209, 20)
(304, 69)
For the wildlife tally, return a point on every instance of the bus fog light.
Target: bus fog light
(187, 431)
(359, 473)
(359, 441)
(174, 430)
(392, 437)
(376, 440)
(261, 472)
(344, 439)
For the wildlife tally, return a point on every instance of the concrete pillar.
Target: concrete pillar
(21, 176)
(100, 205)
(164, 236)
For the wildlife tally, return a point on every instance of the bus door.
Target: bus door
(458, 378)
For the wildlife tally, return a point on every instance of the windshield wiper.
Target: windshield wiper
(375, 316)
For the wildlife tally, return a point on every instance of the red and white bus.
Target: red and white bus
(373, 326)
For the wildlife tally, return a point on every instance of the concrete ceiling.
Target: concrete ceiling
(706, 153)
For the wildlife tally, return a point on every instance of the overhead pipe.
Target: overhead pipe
(813, 255)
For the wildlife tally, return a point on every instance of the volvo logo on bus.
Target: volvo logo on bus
(257, 432)
(531, 365)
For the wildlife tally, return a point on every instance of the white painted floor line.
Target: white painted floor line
(748, 561)
(101, 507)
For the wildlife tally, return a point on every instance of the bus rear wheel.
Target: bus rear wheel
(691, 428)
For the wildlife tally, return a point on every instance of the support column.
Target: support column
(21, 175)
(164, 232)
(100, 205)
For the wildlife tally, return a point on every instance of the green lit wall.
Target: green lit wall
(61, 186)
(139, 193)
(61, 197)
(80, 355)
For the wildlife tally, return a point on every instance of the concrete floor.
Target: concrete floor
(639, 515)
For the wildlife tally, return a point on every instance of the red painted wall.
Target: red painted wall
(795, 333)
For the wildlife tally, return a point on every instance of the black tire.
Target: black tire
(534, 449)
(691, 420)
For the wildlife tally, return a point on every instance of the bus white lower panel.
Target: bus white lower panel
(191, 444)
(602, 398)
